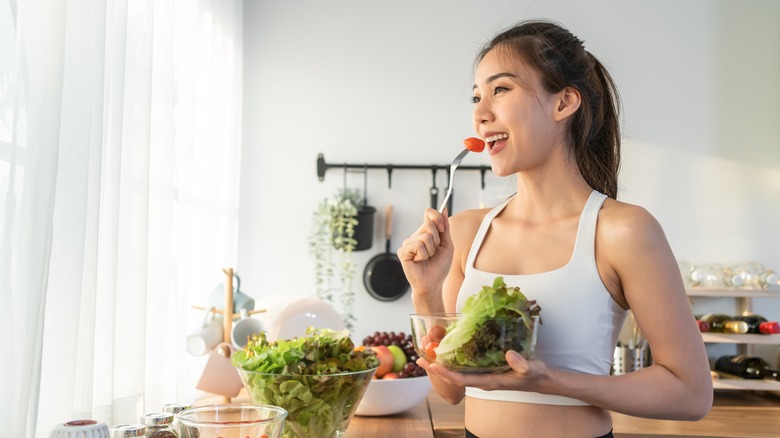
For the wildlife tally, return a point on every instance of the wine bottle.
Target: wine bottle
(759, 325)
(704, 326)
(722, 323)
(746, 367)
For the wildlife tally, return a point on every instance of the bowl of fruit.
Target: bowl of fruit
(493, 321)
(399, 384)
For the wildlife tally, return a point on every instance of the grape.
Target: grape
(405, 343)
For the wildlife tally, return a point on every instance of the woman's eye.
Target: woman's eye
(475, 99)
(500, 89)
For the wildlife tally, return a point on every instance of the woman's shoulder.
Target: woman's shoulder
(623, 223)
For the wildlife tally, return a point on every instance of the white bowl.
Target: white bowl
(393, 396)
(80, 429)
(288, 317)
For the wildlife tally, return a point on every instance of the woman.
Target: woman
(547, 110)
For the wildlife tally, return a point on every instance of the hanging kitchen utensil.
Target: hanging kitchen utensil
(384, 277)
(364, 230)
(434, 190)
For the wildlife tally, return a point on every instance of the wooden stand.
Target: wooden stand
(227, 314)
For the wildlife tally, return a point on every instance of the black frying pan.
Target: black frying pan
(384, 277)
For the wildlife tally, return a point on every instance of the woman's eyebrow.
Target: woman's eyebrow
(497, 76)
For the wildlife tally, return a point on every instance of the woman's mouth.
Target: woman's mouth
(495, 142)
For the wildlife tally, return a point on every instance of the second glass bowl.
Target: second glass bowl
(484, 351)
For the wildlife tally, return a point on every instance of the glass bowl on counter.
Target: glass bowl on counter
(232, 421)
(317, 405)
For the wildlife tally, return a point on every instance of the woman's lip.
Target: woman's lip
(496, 147)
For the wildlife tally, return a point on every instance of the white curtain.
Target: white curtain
(120, 132)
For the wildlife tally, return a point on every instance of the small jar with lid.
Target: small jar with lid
(175, 408)
(160, 425)
(128, 431)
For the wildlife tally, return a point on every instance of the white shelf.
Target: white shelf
(734, 293)
(735, 383)
(744, 301)
(726, 338)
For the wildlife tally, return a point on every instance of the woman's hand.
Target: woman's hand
(523, 375)
(426, 255)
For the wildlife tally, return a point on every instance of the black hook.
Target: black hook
(389, 176)
(482, 171)
(365, 184)
(345, 177)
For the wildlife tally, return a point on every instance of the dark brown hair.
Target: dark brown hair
(561, 60)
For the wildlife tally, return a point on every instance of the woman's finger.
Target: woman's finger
(413, 250)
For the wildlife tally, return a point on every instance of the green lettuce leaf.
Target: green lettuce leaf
(476, 338)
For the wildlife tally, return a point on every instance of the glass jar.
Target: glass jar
(686, 269)
(708, 276)
(175, 408)
(751, 275)
(128, 431)
(160, 425)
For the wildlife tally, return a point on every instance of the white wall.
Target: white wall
(379, 82)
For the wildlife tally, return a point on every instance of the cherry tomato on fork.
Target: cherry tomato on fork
(474, 144)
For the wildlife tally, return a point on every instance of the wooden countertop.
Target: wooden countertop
(734, 414)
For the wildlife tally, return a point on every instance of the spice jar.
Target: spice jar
(128, 431)
(160, 425)
(175, 408)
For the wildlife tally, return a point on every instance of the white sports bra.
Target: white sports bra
(580, 320)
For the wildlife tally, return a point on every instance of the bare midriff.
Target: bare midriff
(496, 419)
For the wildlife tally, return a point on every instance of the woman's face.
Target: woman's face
(513, 114)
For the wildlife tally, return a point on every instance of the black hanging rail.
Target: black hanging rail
(322, 167)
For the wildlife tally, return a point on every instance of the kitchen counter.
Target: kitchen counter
(734, 414)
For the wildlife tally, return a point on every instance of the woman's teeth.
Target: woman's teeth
(491, 141)
(493, 138)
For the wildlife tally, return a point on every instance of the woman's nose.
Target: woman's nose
(482, 112)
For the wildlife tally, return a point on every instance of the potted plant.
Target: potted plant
(335, 232)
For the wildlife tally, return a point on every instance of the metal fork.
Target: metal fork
(453, 166)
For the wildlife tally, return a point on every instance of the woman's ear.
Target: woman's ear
(568, 101)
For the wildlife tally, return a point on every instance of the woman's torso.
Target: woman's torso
(581, 323)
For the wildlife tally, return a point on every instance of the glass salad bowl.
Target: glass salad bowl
(317, 405)
(467, 345)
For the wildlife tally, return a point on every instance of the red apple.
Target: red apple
(385, 360)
